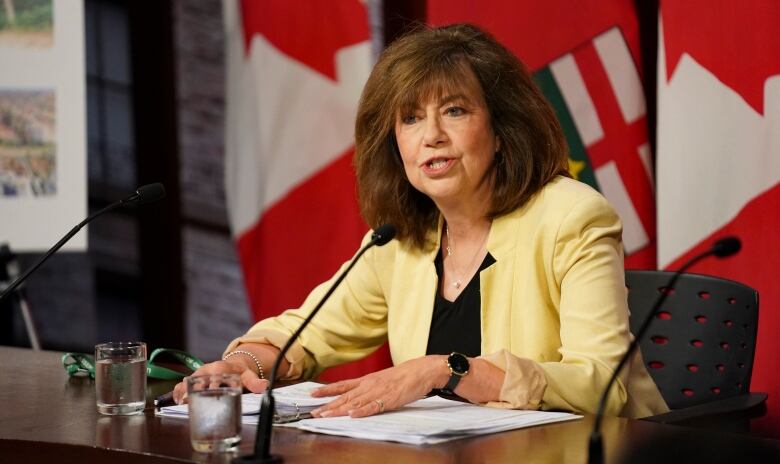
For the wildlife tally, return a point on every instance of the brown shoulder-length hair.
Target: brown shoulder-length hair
(429, 63)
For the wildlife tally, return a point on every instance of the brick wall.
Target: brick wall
(216, 307)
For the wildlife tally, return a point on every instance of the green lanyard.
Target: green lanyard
(78, 364)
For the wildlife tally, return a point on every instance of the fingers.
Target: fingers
(355, 404)
(360, 406)
(252, 382)
(349, 398)
(334, 408)
(214, 383)
(249, 379)
(378, 392)
(180, 392)
(376, 406)
(337, 388)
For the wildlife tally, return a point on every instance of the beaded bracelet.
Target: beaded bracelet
(251, 355)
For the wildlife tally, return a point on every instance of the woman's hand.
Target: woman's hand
(235, 365)
(385, 390)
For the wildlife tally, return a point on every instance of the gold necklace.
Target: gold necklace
(451, 250)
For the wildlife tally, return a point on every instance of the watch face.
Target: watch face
(458, 363)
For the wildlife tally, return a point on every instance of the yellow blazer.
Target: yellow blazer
(554, 313)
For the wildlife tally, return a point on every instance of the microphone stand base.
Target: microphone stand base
(252, 459)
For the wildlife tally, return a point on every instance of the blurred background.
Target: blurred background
(168, 273)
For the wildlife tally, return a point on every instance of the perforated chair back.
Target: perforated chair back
(701, 343)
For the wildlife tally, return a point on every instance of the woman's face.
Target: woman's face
(447, 146)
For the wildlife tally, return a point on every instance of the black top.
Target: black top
(455, 325)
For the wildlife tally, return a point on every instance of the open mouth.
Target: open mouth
(437, 166)
(437, 163)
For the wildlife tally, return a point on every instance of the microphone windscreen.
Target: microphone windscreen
(726, 246)
(383, 234)
(150, 193)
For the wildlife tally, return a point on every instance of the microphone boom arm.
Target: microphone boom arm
(381, 236)
(144, 194)
(56, 247)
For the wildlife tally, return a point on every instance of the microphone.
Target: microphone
(381, 236)
(726, 246)
(146, 194)
(723, 248)
(143, 195)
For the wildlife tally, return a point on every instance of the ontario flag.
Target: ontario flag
(718, 165)
(586, 60)
(295, 71)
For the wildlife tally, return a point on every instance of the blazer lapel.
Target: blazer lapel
(496, 286)
(413, 296)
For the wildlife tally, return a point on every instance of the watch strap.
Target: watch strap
(449, 389)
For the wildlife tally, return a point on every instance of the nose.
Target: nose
(434, 132)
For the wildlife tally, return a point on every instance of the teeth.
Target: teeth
(437, 164)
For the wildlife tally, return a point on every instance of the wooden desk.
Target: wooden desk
(48, 417)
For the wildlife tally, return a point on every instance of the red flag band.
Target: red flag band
(718, 163)
(295, 73)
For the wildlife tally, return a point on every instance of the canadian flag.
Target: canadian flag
(295, 71)
(718, 160)
(586, 60)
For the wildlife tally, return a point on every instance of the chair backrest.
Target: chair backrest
(701, 343)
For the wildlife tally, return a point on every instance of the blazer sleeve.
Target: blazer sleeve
(587, 268)
(594, 329)
(349, 326)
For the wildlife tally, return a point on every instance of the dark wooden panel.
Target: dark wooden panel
(159, 231)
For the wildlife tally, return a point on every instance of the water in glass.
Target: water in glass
(120, 377)
(215, 419)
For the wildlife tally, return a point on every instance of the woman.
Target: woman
(500, 258)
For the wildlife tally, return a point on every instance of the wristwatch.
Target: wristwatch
(459, 368)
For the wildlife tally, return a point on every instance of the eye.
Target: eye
(454, 111)
(409, 119)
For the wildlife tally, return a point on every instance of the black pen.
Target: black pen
(164, 400)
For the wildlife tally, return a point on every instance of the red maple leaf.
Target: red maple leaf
(737, 40)
(310, 31)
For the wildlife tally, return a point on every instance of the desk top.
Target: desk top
(48, 416)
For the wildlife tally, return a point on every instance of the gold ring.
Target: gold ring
(381, 405)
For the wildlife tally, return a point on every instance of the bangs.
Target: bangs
(436, 81)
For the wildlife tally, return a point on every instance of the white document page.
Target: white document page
(432, 420)
(426, 421)
(288, 400)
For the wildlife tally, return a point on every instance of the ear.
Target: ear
(498, 144)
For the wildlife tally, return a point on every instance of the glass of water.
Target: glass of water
(120, 377)
(215, 411)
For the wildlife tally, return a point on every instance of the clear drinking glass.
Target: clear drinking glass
(215, 411)
(120, 377)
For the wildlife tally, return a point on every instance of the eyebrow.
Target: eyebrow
(443, 101)
(454, 97)
(451, 98)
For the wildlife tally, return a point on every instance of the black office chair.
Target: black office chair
(700, 347)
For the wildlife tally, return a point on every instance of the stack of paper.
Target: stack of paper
(432, 420)
(291, 402)
(427, 421)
